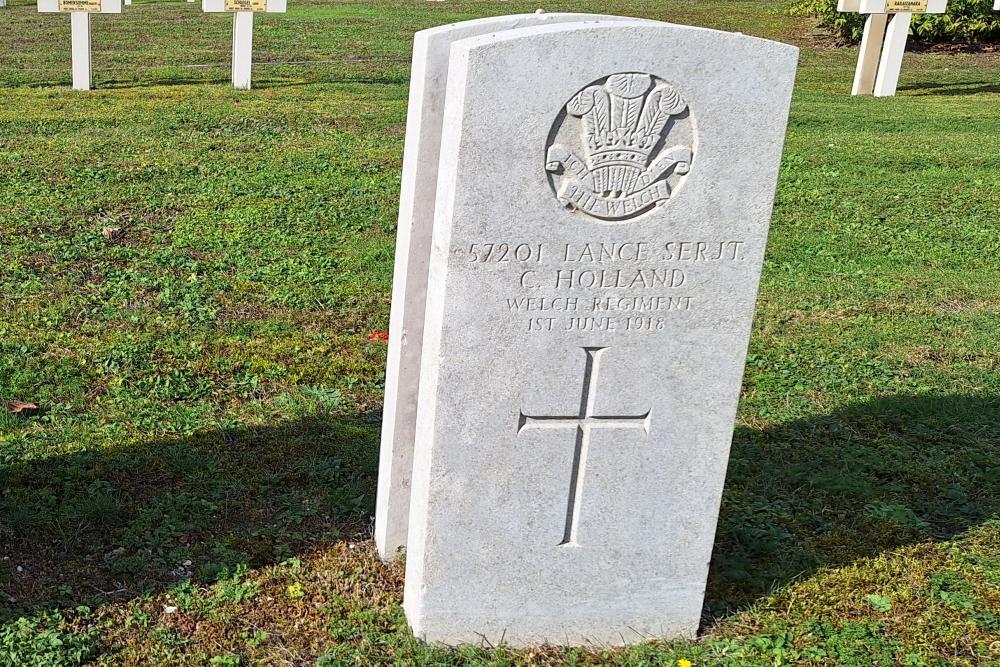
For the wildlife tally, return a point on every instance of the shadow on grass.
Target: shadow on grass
(129, 84)
(828, 490)
(95, 527)
(195, 81)
(258, 84)
(823, 491)
(954, 88)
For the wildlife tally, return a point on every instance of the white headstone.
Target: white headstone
(243, 11)
(80, 11)
(431, 49)
(603, 201)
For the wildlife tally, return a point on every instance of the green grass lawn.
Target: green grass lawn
(197, 484)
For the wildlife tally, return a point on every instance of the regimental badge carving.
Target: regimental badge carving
(609, 156)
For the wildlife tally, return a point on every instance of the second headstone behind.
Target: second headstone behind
(424, 125)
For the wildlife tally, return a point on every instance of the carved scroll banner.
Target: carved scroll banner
(577, 190)
(574, 194)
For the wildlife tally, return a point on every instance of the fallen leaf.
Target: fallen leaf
(19, 406)
(112, 233)
(381, 336)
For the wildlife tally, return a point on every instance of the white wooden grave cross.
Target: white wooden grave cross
(243, 11)
(80, 11)
(884, 40)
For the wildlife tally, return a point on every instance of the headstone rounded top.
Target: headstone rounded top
(425, 126)
(494, 24)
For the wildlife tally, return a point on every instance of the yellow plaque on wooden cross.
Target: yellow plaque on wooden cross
(79, 5)
(906, 5)
(246, 5)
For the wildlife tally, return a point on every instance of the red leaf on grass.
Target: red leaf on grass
(381, 336)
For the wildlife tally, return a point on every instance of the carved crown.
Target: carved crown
(622, 123)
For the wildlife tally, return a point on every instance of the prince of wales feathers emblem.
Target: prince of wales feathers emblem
(621, 127)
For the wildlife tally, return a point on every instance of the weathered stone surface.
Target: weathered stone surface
(429, 75)
(592, 284)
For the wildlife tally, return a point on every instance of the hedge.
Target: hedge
(967, 21)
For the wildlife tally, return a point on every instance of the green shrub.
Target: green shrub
(45, 641)
(967, 21)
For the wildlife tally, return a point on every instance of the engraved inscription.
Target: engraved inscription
(906, 6)
(582, 423)
(625, 287)
(80, 5)
(621, 125)
(245, 5)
